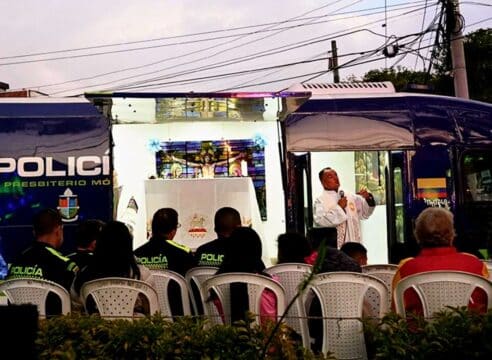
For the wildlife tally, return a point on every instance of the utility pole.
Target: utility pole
(333, 65)
(454, 27)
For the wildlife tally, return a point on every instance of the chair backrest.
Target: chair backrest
(194, 278)
(35, 291)
(488, 264)
(384, 272)
(291, 275)
(162, 279)
(220, 286)
(341, 295)
(438, 289)
(115, 297)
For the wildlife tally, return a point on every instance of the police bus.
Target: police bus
(410, 150)
(53, 153)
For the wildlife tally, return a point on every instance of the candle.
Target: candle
(244, 168)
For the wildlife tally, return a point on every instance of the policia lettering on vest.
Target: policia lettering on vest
(211, 259)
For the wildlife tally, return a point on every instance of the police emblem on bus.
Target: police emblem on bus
(68, 206)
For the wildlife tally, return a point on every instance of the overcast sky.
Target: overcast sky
(212, 45)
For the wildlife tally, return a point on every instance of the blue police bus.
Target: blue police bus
(53, 153)
(410, 150)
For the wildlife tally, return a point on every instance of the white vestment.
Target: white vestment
(327, 213)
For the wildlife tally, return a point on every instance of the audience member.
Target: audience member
(161, 252)
(212, 253)
(86, 236)
(434, 232)
(356, 251)
(113, 257)
(42, 260)
(293, 247)
(334, 260)
(243, 254)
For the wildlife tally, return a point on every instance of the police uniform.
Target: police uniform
(161, 254)
(81, 257)
(42, 261)
(211, 253)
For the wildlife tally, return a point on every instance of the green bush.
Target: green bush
(90, 337)
(455, 334)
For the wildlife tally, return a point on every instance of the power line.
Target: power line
(191, 53)
(481, 21)
(421, 29)
(224, 63)
(156, 46)
(295, 19)
(313, 74)
(212, 77)
(68, 57)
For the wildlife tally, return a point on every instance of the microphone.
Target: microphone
(341, 193)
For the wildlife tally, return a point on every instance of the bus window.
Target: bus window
(399, 207)
(475, 216)
(369, 173)
(477, 176)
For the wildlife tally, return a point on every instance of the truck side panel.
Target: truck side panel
(52, 155)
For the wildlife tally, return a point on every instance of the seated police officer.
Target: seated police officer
(212, 253)
(86, 235)
(42, 260)
(161, 252)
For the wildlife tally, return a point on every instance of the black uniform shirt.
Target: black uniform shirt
(81, 257)
(162, 254)
(42, 261)
(211, 253)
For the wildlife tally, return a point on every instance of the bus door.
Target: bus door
(418, 179)
(298, 192)
(474, 202)
(396, 217)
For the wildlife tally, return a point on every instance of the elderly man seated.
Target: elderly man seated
(434, 232)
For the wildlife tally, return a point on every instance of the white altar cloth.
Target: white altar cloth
(197, 200)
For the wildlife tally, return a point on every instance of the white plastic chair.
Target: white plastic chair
(488, 264)
(341, 295)
(35, 291)
(438, 289)
(195, 278)
(115, 297)
(162, 279)
(256, 284)
(291, 275)
(384, 272)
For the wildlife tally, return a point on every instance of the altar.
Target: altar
(197, 200)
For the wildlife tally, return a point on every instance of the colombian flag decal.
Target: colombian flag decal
(431, 188)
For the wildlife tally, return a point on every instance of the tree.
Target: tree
(478, 57)
(399, 77)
